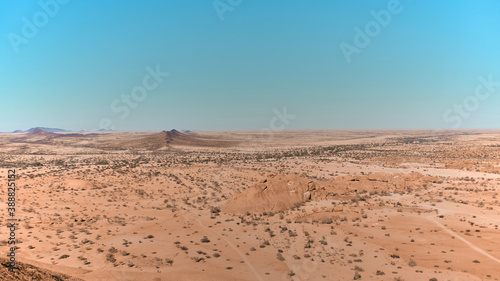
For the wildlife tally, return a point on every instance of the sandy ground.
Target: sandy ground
(248, 205)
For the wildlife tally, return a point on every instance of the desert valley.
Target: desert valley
(251, 205)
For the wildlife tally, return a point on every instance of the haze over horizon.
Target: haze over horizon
(203, 65)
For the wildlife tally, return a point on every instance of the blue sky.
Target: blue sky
(234, 68)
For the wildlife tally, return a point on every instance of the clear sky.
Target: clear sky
(236, 65)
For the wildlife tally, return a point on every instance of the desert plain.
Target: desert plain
(253, 205)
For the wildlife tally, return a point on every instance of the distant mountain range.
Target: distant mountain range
(55, 130)
(50, 130)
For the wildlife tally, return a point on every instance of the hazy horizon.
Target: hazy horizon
(250, 130)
